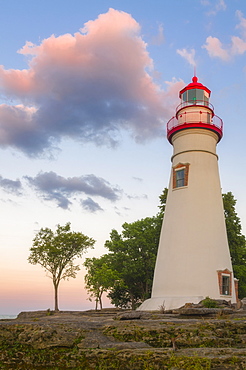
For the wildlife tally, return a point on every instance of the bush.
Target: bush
(209, 303)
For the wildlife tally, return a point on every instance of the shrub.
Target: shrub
(209, 303)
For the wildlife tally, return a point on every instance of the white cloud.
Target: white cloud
(189, 56)
(216, 49)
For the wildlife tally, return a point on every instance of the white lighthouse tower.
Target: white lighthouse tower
(193, 260)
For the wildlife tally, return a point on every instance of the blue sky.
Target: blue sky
(86, 89)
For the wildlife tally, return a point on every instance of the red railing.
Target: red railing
(197, 117)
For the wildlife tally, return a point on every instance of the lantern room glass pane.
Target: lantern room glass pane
(192, 95)
(184, 96)
(200, 95)
(196, 96)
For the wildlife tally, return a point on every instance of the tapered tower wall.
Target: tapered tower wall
(193, 242)
(193, 260)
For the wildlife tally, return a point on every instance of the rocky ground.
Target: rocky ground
(190, 338)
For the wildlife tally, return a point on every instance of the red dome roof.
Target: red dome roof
(194, 85)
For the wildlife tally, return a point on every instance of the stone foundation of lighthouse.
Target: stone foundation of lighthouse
(193, 260)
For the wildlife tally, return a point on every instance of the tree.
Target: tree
(126, 272)
(99, 278)
(132, 255)
(56, 252)
(163, 201)
(236, 241)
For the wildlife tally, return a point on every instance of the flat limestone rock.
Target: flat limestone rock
(132, 315)
(192, 311)
(93, 340)
(98, 340)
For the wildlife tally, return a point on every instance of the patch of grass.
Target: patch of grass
(189, 363)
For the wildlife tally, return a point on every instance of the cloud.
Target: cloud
(90, 205)
(216, 7)
(139, 179)
(189, 56)
(11, 186)
(86, 87)
(60, 189)
(242, 23)
(159, 38)
(143, 196)
(216, 49)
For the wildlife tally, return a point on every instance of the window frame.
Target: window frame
(225, 274)
(180, 179)
(180, 167)
(225, 288)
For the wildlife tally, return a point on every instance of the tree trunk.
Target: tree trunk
(132, 302)
(100, 300)
(56, 296)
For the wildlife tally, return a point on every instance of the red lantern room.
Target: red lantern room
(194, 111)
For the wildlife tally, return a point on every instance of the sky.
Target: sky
(86, 90)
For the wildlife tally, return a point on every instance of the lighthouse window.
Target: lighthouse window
(180, 178)
(225, 285)
(180, 175)
(225, 279)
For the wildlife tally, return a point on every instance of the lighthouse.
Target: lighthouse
(193, 260)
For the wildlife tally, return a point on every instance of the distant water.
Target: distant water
(8, 317)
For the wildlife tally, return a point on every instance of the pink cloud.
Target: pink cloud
(85, 86)
(215, 49)
(238, 45)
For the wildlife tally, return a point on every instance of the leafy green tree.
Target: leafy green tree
(163, 201)
(126, 272)
(120, 295)
(236, 240)
(99, 278)
(132, 255)
(56, 252)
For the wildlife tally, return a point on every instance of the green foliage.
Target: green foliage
(56, 252)
(99, 278)
(236, 240)
(209, 303)
(126, 271)
(163, 201)
(132, 255)
(234, 230)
